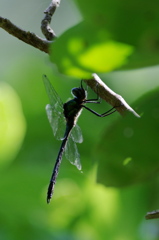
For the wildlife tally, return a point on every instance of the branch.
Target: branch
(104, 92)
(27, 37)
(152, 215)
(45, 23)
(31, 38)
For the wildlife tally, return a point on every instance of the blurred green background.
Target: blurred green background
(119, 180)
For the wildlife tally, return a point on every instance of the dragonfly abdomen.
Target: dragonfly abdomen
(57, 165)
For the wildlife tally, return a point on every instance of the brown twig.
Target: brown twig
(45, 23)
(152, 215)
(104, 92)
(31, 38)
(27, 37)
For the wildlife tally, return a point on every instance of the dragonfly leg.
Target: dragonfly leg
(96, 100)
(100, 115)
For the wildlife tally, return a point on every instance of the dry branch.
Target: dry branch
(152, 215)
(31, 38)
(45, 23)
(27, 37)
(104, 92)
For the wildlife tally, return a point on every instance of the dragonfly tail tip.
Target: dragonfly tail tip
(48, 200)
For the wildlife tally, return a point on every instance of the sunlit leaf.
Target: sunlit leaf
(114, 34)
(78, 54)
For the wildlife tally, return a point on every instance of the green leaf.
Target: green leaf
(133, 22)
(78, 54)
(114, 34)
(128, 151)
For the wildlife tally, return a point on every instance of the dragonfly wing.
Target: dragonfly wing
(52, 94)
(57, 122)
(76, 134)
(72, 154)
(54, 110)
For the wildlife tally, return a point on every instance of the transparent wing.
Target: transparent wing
(72, 154)
(54, 110)
(57, 122)
(76, 134)
(52, 94)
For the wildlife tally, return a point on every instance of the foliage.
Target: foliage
(113, 34)
(118, 183)
(135, 158)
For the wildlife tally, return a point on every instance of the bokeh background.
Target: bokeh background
(119, 180)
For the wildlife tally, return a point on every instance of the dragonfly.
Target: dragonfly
(64, 116)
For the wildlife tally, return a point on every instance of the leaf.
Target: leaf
(128, 151)
(114, 35)
(77, 53)
(133, 22)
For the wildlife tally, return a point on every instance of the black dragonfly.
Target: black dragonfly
(66, 115)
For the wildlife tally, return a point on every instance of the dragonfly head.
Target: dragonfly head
(79, 93)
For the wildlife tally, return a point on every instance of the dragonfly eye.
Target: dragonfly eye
(79, 93)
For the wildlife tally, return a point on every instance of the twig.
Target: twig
(45, 23)
(31, 38)
(152, 215)
(27, 37)
(108, 95)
